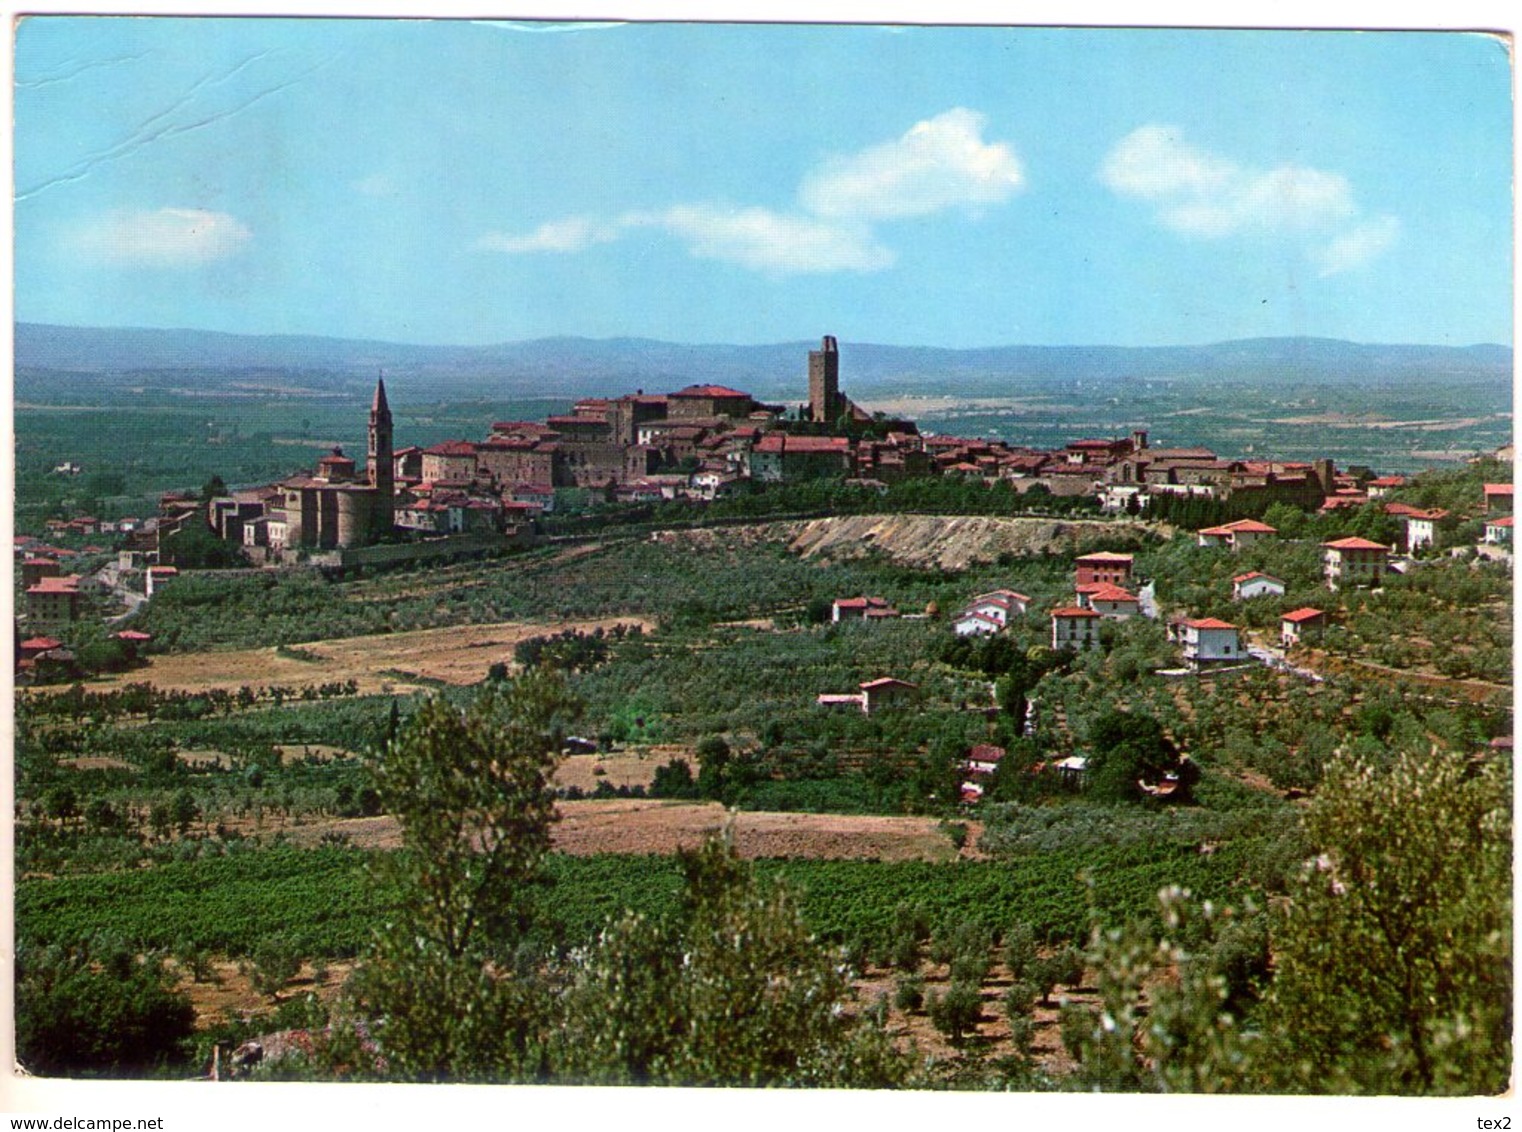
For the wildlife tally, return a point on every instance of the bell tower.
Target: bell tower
(824, 381)
(381, 464)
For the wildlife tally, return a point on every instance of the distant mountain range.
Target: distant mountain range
(101, 357)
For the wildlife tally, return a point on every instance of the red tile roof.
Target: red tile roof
(1498, 489)
(1209, 623)
(785, 443)
(714, 392)
(41, 644)
(1073, 611)
(1106, 556)
(1301, 615)
(451, 448)
(1354, 544)
(885, 682)
(66, 585)
(134, 635)
(1106, 591)
(1257, 574)
(1505, 521)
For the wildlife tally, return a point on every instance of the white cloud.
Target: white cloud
(1202, 194)
(763, 240)
(165, 237)
(940, 163)
(572, 234)
(1360, 246)
(1155, 162)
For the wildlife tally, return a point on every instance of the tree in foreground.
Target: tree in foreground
(97, 1009)
(730, 990)
(471, 790)
(1391, 957)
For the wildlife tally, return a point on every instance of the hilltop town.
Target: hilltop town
(699, 444)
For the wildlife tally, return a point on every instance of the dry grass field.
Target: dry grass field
(644, 825)
(387, 662)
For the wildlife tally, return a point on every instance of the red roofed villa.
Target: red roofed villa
(1353, 561)
(1301, 625)
(1075, 628)
(1209, 640)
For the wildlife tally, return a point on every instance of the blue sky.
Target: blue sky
(460, 182)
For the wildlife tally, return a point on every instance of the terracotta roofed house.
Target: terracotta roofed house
(53, 601)
(1498, 498)
(1075, 628)
(1104, 566)
(1256, 584)
(1111, 602)
(885, 692)
(1421, 528)
(1242, 532)
(1209, 640)
(1353, 561)
(861, 609)
(1301, 625)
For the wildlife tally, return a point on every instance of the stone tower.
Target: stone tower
(381, 463)
(824, 382)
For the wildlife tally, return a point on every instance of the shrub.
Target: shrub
(116, 1016)
(1019, 950)
(1020, 999)
(273, 964)
(909, 992)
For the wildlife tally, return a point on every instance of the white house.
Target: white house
(984, 758)
(1421, 528)
(1109, 601)
(861, 609)
(1255, 584)
(1498, 531)
(1208, 640)
(1075, 628)
(1001, 605)
(975, 625)
(1300, 626)
(1242, 532)
(157, 577)
(1353, 561)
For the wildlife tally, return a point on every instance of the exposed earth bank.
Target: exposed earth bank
(946, 542)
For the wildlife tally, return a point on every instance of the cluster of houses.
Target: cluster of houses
(1103, 584)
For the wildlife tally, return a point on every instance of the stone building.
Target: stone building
(332, 509)
(824, 382)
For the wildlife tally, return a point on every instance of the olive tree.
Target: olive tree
(470, 788)
(729, 990)
(1393, 953)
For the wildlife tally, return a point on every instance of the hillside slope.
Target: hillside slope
(947, 542)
